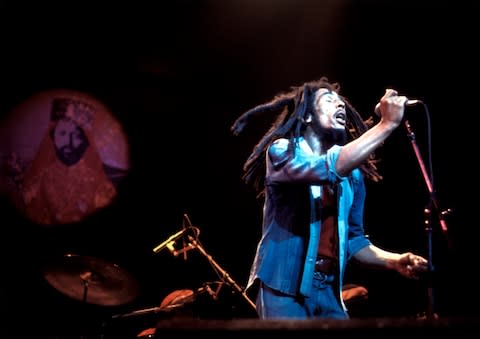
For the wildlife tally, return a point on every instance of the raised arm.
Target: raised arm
(390, 108)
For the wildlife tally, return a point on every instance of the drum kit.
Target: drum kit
(97, 281)
(101, 282)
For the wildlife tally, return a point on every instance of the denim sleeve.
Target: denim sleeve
(356, 232)
(288, 164)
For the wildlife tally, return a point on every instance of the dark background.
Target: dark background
(177, 74)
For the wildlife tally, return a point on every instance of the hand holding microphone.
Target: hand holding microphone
(391, 106)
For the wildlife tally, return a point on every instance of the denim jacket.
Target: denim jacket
(287, 251)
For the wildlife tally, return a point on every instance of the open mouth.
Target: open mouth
(341, 117)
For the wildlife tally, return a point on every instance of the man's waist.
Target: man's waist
(325, 265)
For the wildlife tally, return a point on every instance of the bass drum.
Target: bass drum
(147, 333)
(177, 304)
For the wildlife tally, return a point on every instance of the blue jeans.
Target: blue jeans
(323, 302)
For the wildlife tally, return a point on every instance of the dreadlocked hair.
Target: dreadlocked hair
(293, 107)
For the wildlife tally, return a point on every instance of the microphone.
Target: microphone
(413, 102)
(408, 103)
(169, 242)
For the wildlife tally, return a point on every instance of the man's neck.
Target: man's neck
(317, 145)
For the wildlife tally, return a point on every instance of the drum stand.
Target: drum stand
(224, 276)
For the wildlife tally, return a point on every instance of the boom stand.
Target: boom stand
(433, 203)
(224, 275)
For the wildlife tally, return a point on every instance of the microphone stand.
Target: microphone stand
(224, 275)
(433, 203)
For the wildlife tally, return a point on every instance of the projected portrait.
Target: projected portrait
(63, 156)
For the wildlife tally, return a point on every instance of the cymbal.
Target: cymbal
(92, 280)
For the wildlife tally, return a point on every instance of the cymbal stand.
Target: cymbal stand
(194, 243)
(85, 278)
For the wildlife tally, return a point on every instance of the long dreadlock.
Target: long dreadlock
(294, 107)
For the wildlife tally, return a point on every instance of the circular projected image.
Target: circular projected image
(62, 156)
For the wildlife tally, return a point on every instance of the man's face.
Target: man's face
(70, 141)
(330, 109)
(329, 117)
